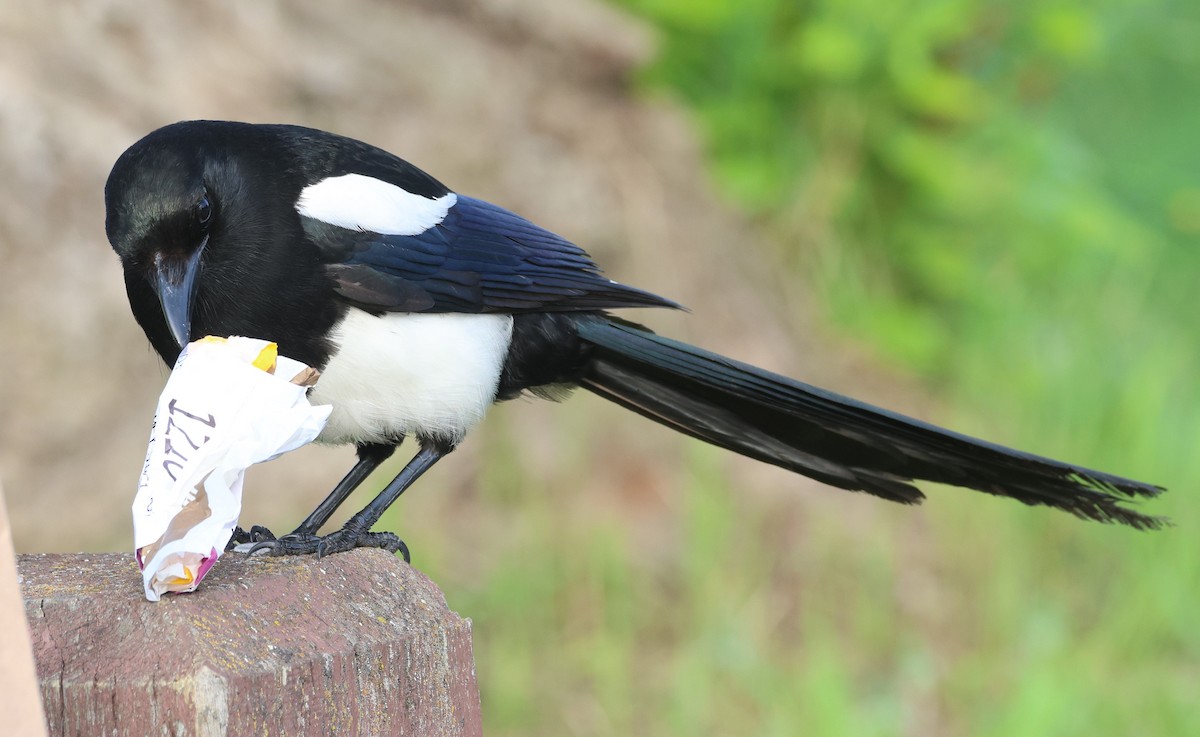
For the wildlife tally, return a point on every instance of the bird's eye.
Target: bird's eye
(203, 211)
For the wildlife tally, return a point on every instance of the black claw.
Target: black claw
(259, 534)
(296, 543)
(239, 537)
(264, 545)
(349, 539)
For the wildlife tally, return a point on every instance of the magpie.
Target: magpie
(422, 307)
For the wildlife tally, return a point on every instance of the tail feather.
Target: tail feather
(834, 439)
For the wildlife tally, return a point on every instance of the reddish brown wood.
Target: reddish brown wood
(353, 644)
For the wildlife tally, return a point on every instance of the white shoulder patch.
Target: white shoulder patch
(358, 202)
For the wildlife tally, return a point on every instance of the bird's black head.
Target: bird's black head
(202, 216)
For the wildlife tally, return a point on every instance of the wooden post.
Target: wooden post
(357, 643)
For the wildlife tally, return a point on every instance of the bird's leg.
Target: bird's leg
(369, 458)
(356, 533)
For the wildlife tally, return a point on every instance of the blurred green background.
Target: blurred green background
(1004, 201)
(983, 213)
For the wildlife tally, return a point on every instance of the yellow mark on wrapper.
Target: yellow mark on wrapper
(266, 358)
(177, 581)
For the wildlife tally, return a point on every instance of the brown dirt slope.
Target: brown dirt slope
(524, 102)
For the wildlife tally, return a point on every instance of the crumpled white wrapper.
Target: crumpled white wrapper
(217, 416)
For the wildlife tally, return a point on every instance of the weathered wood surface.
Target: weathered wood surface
(352, 644)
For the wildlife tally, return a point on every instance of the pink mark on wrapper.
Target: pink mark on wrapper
(205, 565)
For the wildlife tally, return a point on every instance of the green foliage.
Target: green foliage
(945, 169)
(1004, 198)
(994, 194)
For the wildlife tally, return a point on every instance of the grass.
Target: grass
(776, 615)
(1031, 253)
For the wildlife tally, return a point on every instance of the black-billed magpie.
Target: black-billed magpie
(422, 307)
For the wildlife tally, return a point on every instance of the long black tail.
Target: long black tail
(834, 439)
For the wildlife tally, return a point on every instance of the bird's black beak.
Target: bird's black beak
(175, 285)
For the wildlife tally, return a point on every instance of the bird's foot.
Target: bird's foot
(257, 534)
(347, 538)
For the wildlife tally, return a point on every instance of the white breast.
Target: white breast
(411, 374)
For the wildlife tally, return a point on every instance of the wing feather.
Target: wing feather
(479, 258)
